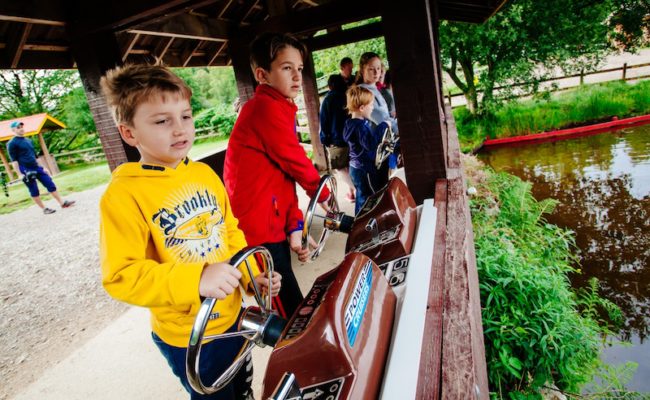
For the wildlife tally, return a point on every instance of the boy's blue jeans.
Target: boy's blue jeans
(216, 356)
(366, 185)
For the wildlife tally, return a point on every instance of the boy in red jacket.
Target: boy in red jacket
(264, 160)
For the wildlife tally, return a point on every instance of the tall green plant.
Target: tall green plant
(537, 331)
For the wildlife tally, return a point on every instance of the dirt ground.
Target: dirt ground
(53, 306)
(51, 299)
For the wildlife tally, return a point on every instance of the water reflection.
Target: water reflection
(603, 185)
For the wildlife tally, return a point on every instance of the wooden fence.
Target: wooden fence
(624, 76)
(94, 154)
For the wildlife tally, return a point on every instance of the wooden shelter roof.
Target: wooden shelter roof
(34, 124)
(37, 34)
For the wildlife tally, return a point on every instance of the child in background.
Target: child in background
(264, 160)
(332, 119)
(167, 230)
(363, 140)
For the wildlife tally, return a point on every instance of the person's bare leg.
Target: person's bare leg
(57, 197)
(38, 201)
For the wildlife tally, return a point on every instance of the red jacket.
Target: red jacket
(263, 163)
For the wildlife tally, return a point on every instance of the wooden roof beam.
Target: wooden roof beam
(129, 47)
(255, 6)
(216, 54)
(45, 47)
(224, 9)
(162, 48)
(190, 52)
(308, 2)
(41, 60)
(277, 7)
(128, 13)
(33, 12)
(188, 27)
(340, 37)
(335, 12)
(469, 10)
(15, 44)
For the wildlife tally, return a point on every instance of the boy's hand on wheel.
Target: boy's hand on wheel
(295, 242)
(218, 280)
(262, 281)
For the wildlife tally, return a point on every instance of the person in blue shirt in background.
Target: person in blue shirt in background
(363, 139)
(22, 154)
(332, 119)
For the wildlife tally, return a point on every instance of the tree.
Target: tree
(630, 23)
(211, 86)
(81, 131)
(27, 92)
(523, 42)
(327, 62)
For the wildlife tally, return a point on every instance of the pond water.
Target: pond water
(603, 185)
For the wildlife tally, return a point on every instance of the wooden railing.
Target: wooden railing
(624, 76)
(94, 154)
(453, 364)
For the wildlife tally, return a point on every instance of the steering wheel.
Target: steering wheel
(333, 220)
(258, 325)
(386, 146)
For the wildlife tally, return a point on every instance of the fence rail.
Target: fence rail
(93, 154)
(624, 69)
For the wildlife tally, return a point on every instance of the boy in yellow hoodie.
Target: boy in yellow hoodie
(167, 230)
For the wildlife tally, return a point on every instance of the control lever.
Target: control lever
(373, 228)
(287, 389)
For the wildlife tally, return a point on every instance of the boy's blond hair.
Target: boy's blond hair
(128, 86)
(358, 96)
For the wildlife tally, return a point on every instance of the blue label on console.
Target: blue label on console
(358, 301)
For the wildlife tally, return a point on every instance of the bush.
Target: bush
(219, 119)
(537, 330)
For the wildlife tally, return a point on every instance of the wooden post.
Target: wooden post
(46, 155)
(449, 97)
(312, 106)
(418, 97)
(95, 54)
(239, 55)
(582, 77)
(8, 168)
(624, 71)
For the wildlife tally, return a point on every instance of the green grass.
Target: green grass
(85, 176)
(207, 146)
(72, 180)
(586, 105)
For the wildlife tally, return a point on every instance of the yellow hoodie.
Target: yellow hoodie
(159, 227)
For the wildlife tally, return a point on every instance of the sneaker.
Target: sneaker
(68, 203)
(48, 211)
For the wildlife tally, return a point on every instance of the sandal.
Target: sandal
(68, 203)
(48, 211)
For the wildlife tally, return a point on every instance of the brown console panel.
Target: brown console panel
(341, 330)
(395, 212)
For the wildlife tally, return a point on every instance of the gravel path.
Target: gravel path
(51, 299)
